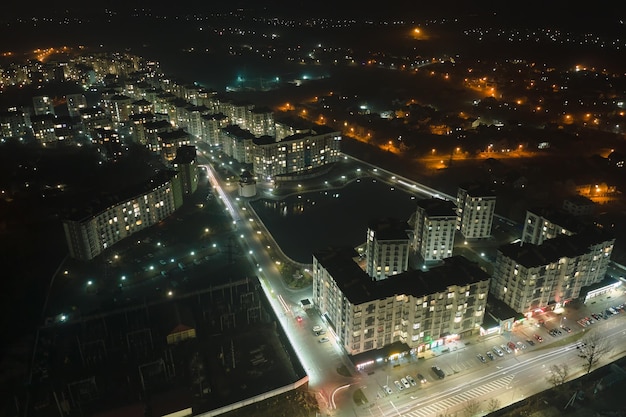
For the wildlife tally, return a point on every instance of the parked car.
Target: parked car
(506, 348)
(521, 345)
(512, 346)
(388, 390)
(421, 378)
(490, 356)
(530, 342)
(539, 338)
(481, 358)
(405, 383)
(398, 385)
(323, 340)
(439, 372)
(497, 351)
(411, 380)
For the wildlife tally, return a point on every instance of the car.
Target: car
(421, 378)
(512, 346)
(481, 358)
(530, 342)
(323, 340)
(163, 262)
(411, 380)
(317, 329)
(506, 349)
(299, 319)
(321, 332)
(521, 345)
(438, 371)
(567, 329)
(399, 385)
(405, 383)
(490, 356)
(497, 351)
(388, 390)
(539, 338)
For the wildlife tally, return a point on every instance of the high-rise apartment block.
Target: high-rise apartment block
(434, 229)
(476, 205)
(387, 248)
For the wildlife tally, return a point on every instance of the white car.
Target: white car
(521, 345)
(411, 380)
(498, 351)
(323, 340)
(405, 383)
(399, 385)
(506, 348)
(388, 390)
(317, 329)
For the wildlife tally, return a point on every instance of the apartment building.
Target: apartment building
(237, 143)
(434, 229)
(14, 123)
(476, 205)
(186, 163)
(74, 103)
(260, 121)
(417, 308)
(543, 223)
(528, 277)
(95, 229)
(295, 154)
(212, 124)
(387, 248)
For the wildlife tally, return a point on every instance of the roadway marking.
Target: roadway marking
(440, 406)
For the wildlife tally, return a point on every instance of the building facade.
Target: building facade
(543, 223)
(476, 205)
(530, 277)
(90, 234)
(387, 248)
(295, 154)
(434, 229)
(418, 308)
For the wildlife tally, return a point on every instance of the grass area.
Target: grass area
(359, 398)
(294, 276)
(344, 371)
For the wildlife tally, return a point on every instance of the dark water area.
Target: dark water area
(309, 222)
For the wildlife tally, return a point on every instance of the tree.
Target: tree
(471, 408)
(558, 374)
(592, 348)
(493, 404)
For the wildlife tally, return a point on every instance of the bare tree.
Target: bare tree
(592, 348)
(558, 374)
(493, 404)
(471, 408)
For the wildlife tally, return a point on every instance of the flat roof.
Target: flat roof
(530, 255)
(359, 288)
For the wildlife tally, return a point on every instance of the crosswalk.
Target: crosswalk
(441, 406)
